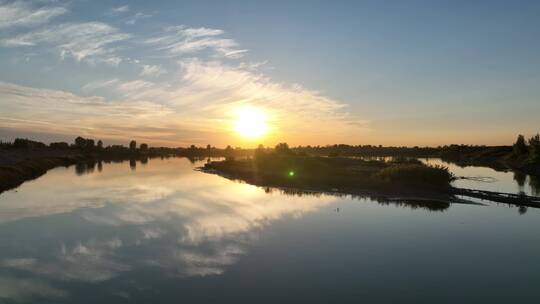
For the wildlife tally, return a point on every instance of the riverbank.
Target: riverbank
(500, 158)
(20, 165)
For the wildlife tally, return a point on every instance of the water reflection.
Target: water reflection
(432, 205)
(200, 223)
(132, 164)
(534, 183)
(86, 167)
(520, 178)
(110, 229)
(485, 178)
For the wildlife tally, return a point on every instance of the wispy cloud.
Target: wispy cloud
(100, 84)
(138, 16)
(194, 103)
(120, 9)
(152, 71)
(22, 14)
(89, 41)
(179, 40)
(26, 108)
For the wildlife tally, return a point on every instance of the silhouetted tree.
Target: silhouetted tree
(282, 148)
(27, 143)
(89, 144)
(132, 145)
(144, 147)
(80, 142)
(208, 147)
(59, 145)
(534, 148)
(520, 146)
(100, 144)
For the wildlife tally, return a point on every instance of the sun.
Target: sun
(250, 122)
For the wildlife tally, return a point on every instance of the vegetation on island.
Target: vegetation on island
(284, 167)
(401, 176)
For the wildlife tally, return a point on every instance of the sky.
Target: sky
(176, 73)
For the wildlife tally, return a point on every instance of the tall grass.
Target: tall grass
(416, 174)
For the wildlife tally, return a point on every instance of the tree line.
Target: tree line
(79, 143)
(529, 149)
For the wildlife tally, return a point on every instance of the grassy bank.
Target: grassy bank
(336, 174)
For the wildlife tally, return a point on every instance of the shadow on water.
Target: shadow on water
(534, 183)
(87, 167)
(426, 204)
(133, 164)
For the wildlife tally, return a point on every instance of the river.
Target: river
(162, 232)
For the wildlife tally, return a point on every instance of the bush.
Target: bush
(27, 144)
(415, 174)
(59, 145)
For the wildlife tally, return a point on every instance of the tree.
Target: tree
(144, 147)
(534, 148)
(27, 144)
(59, 145)
(100, 144)
(520, 146)
(132, 145)
(282, 148)
(208, 147)
(80, 142)
(90, 144)
(259, 152)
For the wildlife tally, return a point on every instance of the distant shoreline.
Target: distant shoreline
(19, 165)
(25, 159)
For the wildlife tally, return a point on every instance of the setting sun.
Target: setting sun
(250, 122)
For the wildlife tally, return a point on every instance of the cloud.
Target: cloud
(100, 84)
(152, 70)
(21, 14)
(138, 16)
(91, 41)
(120, 9)
(60, 112)
(24, 290)
(180, 40)
(195, 103)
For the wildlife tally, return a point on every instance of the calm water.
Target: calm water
(488, 179)
(162, 232)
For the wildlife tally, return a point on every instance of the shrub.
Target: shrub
(415, 174)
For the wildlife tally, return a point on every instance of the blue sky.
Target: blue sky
(360, 72)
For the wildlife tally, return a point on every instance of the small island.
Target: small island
(399, 177)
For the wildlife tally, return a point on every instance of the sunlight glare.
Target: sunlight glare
(251, 122)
